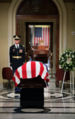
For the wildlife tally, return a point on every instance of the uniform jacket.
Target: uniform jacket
(16, 62)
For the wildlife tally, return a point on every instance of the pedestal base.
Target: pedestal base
(32, 98)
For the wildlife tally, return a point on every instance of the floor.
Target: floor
(56, 105)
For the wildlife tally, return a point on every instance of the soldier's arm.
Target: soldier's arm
(10, 56)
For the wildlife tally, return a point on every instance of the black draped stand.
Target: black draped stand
(32, 93)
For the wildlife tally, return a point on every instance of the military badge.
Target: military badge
(14, 50)
(20, 51)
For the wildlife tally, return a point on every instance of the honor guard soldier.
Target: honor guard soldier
(17, 54)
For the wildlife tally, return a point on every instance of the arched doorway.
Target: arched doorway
(62, 28)
(35, 13)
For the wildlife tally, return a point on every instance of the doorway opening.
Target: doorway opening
(34, 10)
(39, 42)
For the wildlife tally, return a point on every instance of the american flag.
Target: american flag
(30, 69)
(41, 34)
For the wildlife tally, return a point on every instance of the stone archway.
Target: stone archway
(62, 23)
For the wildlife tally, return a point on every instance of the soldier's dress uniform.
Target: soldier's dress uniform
(17, 56)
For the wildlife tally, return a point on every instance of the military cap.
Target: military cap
(17, 37)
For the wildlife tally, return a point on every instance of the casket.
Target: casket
(32, 93)
(31, 78)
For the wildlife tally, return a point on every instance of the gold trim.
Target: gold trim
(17, 57)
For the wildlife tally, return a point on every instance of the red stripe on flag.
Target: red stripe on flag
(46, 77)
(33, 69)
(43, 35)
(17, 74)
(14, 81)
(24, 72)
(41, 69)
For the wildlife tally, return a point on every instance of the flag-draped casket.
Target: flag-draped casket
(31, 97)
(30, 70)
